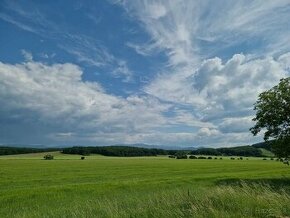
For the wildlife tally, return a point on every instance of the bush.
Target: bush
(192, 157)
(48, 157)
(272, 158)
(201, 157)
(241, 158)
(209, 158)
(181, 156)
(221, 158)
(171, 156)
(215, 158)
(82, 158)
(232, 158)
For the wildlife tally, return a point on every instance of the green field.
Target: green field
(142, 187)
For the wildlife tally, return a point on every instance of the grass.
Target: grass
(142, 187)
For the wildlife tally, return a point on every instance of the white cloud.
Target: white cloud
(55, 104)
(214, 86)
(27, 55)
(156, 10)
(190, 30)
(57, 97)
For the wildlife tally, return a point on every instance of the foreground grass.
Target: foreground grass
(142, 187)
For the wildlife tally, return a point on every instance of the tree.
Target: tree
(48, 157)
(273, 115)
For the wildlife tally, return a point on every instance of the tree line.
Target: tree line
(5, 150)
(119, 151)
(246, 151)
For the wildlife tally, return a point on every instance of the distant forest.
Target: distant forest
(128, 151)
(234, 151)
(23, 150)
(255, 150)
(119, 151)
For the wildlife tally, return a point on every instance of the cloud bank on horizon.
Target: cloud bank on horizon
(119, 71)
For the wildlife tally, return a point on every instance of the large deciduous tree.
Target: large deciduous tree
(273, 116)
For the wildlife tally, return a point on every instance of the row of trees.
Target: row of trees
(119, 151)
(19, 150)
(246, 151)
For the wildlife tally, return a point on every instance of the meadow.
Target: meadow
(102, 186)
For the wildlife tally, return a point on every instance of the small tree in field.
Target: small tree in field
(273, 115)
(48, 157)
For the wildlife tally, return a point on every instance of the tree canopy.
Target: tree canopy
(273, 115)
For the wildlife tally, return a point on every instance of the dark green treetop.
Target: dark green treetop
(273, 115)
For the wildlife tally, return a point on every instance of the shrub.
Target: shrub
(209, 158)
(181, 156)
(241, 158)
(264, 158)
(171, 156)
(272, 158)
(201, 157)
(48, 157)
(192, 157)
(232, 158)
(215, 158)
(82, 158)
(221, 158)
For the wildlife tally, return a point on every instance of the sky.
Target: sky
(174, 73)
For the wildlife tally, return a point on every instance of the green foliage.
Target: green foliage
(118, 151)
(273, 115)
(48, 157)
(206, 151)
(181, 155)
(192, 157)
(231, 151)
(5, 150)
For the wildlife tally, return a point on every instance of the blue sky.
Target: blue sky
(159, 72)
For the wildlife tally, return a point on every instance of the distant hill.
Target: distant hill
(257, 150)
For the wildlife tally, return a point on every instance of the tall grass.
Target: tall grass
(224, 201)
(258, 200)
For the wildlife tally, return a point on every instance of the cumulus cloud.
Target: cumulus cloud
(53, 103)
(56, 96)
(217, 87)
(221, 94)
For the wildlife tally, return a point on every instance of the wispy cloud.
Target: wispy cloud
(192, 30)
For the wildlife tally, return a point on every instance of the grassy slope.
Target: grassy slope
(139, 187)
